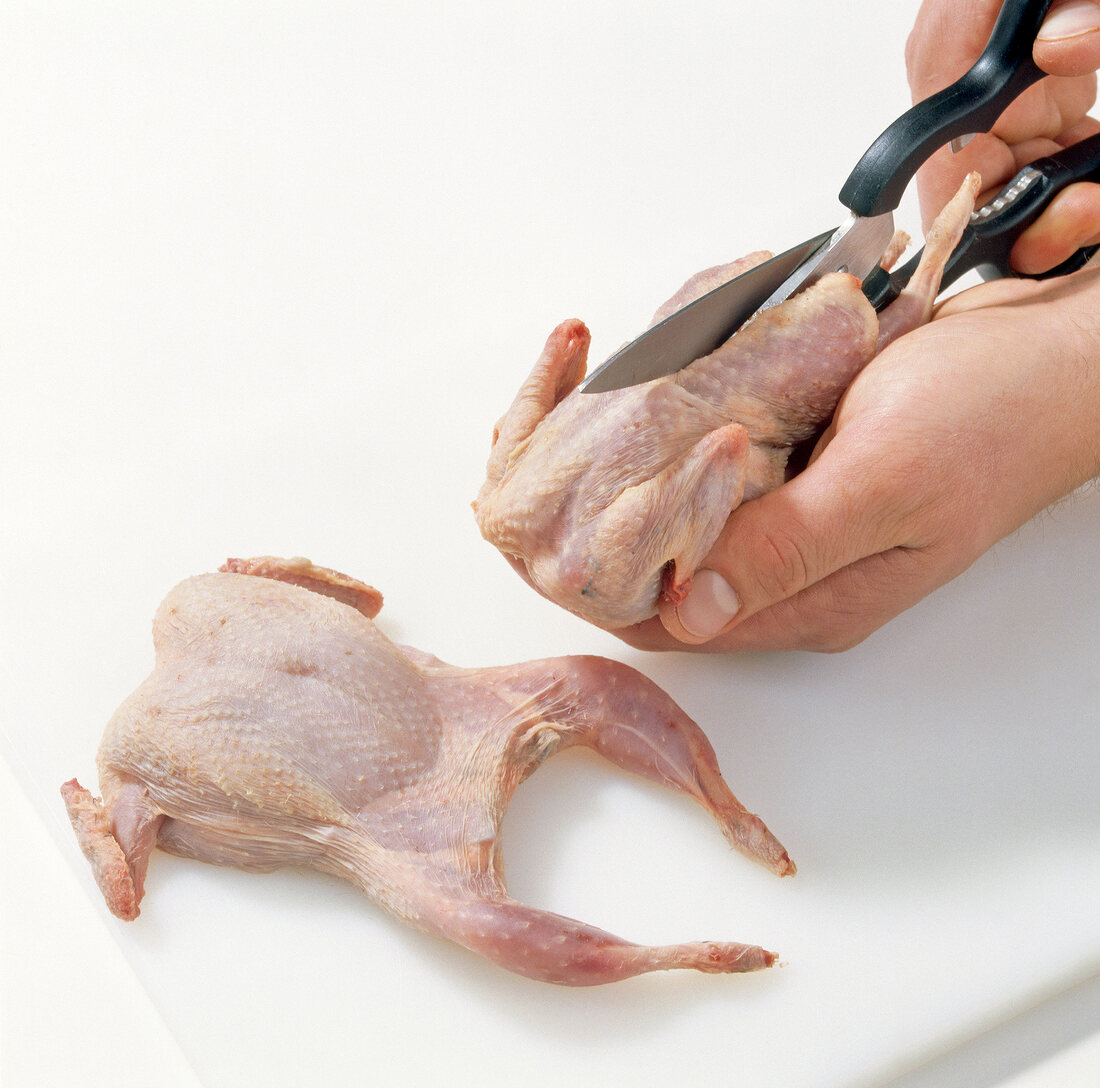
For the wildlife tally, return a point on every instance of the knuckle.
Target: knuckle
(781, 566)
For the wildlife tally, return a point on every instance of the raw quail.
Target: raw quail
(280, 727)
(605, 501)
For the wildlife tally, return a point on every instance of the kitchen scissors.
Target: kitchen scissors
(872, 192)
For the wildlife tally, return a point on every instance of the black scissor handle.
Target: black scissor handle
(988, 240)
(971, 104)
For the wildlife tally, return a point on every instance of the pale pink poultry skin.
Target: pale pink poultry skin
(280, 727)
(604, 502)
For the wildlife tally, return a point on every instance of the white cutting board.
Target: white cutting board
(269, 275)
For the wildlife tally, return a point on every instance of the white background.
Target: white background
(268, 274)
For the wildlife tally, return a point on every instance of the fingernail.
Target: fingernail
(710, 604)
(1070, 20)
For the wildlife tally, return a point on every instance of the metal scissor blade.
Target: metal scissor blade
(701, 326)
(708, 322)
(856, 246)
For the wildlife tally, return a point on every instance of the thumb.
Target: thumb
(1068, 43)
(777, 545)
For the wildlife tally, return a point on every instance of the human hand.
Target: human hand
(953, 437)
(959, 432)
(946, 39)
